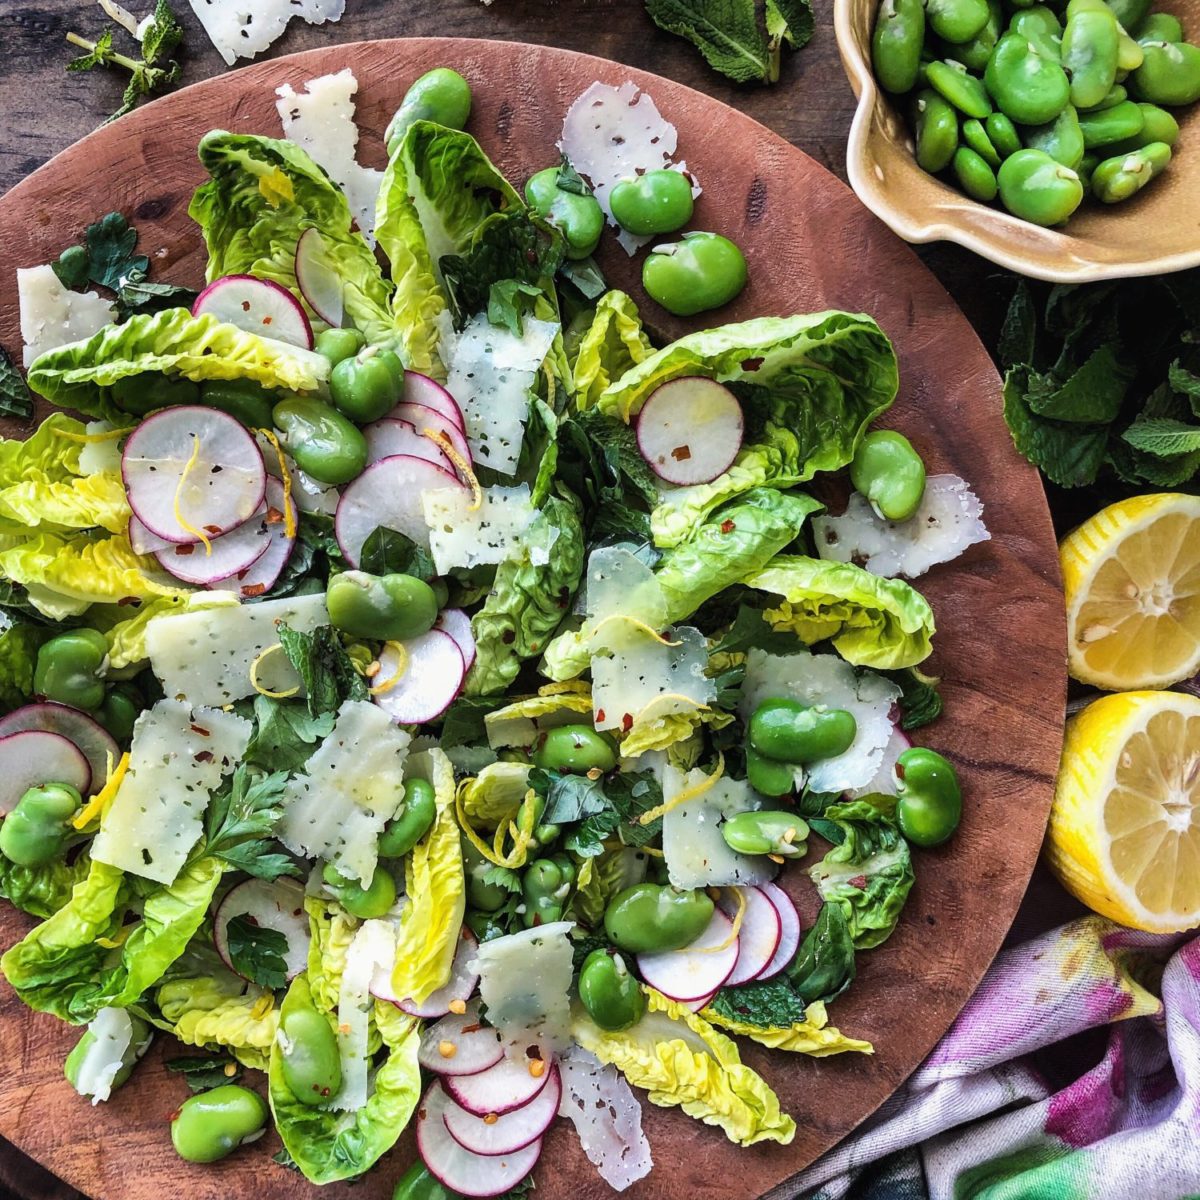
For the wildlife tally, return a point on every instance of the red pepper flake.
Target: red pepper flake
(185, 550)
(681, 453)
(201, 731)
(254, 589)
(599, 714)
(274, 516)
(627, 722)
(472, 1028)
(205, 756)
(215, 530)
(752, 364)
(727, 526)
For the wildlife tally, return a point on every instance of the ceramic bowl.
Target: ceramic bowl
(1154, 232)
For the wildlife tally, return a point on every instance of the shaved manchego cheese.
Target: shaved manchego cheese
(491, 533)
(244, 28)
(645, 671)
(54, 316)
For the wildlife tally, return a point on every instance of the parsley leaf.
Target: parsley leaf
(15, 397)
(285, 734)
(240, 820)
(388, 552)
(202, 1074)
(324, 666)
(257, 953)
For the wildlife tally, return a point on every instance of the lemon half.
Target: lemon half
(1125, 828)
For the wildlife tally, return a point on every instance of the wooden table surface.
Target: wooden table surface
(43, 109)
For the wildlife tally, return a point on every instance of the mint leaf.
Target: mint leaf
(1162, 437)
(790, 22)
(569, 798)
(463, 723)
(770, 1005)
(508, 301)
(285, 733)
(1017, 345)
(1186, 383)
(257, 953)
(1091, 395)
(162, 33)
(16, 400)
(388, 552)
(324, 667)
(728, 33)
(203, 1074)
(920, 700)
(1069, 455)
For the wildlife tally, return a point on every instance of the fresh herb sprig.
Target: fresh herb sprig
(15, 397)
(240, 823)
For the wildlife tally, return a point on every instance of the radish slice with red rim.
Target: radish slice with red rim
(695, 1006)
(317, 278)
(277, 905)
(198, 459)
(696, 970)
(260, 577)
(427, 678)
(237, 550)
(387, 437)
(388, 493)
(477, 1047)
(457, 624)
(690, 430)
(142, 541)
(499, 1089)
(883, 782)
(98, 746)
(758, 935)
(257, 306)
(463, 978)
(789, 930)
(427, 420)
(511, 1132)
(459, 1170)
(420, 389)
(34, 757)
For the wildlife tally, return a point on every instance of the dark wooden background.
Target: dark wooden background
(43, 109)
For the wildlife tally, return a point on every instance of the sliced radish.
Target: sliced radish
(237, 550)
(457, 624)
(458, 1169)
(477, 1047)
(696, 970)
(388, 493)
(420, 389)
(695, 1006)
(317, 278)
(514, 1131)
(884, 779)
(35, 756)
(277, 905)
(260, 577)
(429, 420)
(463, 978)
(789, 930)
(98, 746)
(690, 430)
(142, 541)
(257, 306)
(198, 460)
(388, 437)
(429, 677)
(499, 1089)
(758, 936)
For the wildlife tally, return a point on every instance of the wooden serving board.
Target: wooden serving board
(999, 650)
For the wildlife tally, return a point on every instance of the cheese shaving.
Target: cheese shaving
(688, 793)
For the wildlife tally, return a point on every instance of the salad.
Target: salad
(424, 690)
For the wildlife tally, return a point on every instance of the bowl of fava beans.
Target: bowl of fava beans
(1059, 139)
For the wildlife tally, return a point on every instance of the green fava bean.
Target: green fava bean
(368, 385)
(37, 830)
(1169, 74)
(365, 903)
(929, 804)
(1087, 164)
(1026, 85)
(482, 895)
(440, 95)
(1116, 95)
(310, 1060)
(769, 777)
(956, 20)
(324, 444)
(546, 889)
(1089, 53)
(1041, 28)
(121, 708)
(699, 272)
(243, 399)
(543, 834)
(140, 1037)
(1062, 139)
(974, 54)
(1159, 27)
(1157, 126)
(381, 607)
(1036, 188)
(648, 918)
(1130, 13)
(213, 1124)
(766, 831)
(791, 732)
(656, 202)
(888, 471)
(485, 925)
(576, 749)
(974, 175)
(975, 135)
(414, 820)
(896, 44)
(1003, 134)
(142, 394)
(936, 125)
(610, 992)
(1118, 178)
(418, 1184)
(70, 669)
(962, 89)
(1109, 125)
(577, 215)
(339, 344)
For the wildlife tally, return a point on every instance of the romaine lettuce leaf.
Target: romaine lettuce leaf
(19, 645)
(613, 343)
(874, 622)
(813, 1035)
(495, 793)
(520, 723)
(50, 454)
(126, 633)
(222, 1011)
(86, 502)
(41, 891)
(332, 930)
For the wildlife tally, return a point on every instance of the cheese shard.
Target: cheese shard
(177, 759)
(204, 657)
(696, 854)
(350, 788)
(491, 373)
(244, 28)
(106, 1048)
(321, 120)
(525, 981)
(460, 537)
(619, 586)
(612, 133)
(54, 316)
(829, 680)
(948, 521)
(373, 945)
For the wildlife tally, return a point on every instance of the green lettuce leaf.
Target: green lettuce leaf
(221, 1011)
(495, 793)
(519, 723)
(262, 195)
(41, 891)
(332, 930)
(49, 455)
(613, 343)
(874, 622)
(18, 657)
(740, 1011)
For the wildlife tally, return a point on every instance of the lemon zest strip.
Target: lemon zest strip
(444, 444)
(183, 522)
(637, 624)
(109, 435)
(398, 674)
(262, 691)
(97, 806)
(688, 793)
(285, 477)
(734, 931)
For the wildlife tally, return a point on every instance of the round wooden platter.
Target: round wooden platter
(999, 649)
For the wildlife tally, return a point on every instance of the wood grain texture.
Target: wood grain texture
(1000, 646)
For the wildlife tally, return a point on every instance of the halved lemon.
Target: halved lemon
(1132, 580)
(1125, 827)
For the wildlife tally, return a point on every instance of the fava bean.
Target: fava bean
(70, 668)
(577, 215)
(324, 443)
(956, 20)
(1036, 188)
(648, 918)
(1089, 53)
(896, 44)
(610, 992)
(1120, 177)
(413, 820)
(791, 732)
(1169, 74)
(213, 1124)
(1116, 95)
(151, 390)
(975, 54)
(929, 804)
(1026, 85)
(1003, 134)
(1087, 164)
(1157, 126)
(339, 344)
(546, 889)
(962, 89)
(888, 471)
(243, 399)
(440, 95)
(576, 749)
(38, 828)
(1062, 139)
(766, 831)
(659, 201)
(768, 776)
(311, 1063)
(1159, 27)
(365, 903)
(140, 1037)
(1130, 13)
(392, 607)
(122, 706)
(974, 175)
(1110, 125)
(482, 894)
(936, 125)
(975, 135)
(699, 272)
(1041, 28)
(368, 385)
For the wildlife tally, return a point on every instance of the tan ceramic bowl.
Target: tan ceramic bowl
(1153, 233)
